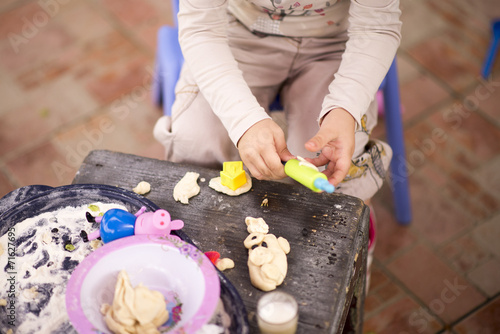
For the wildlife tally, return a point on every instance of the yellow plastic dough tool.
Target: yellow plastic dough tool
(308, 175)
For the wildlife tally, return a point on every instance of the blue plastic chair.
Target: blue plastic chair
(168, 65)
(395, 138)
(492, 50)
(169, 61)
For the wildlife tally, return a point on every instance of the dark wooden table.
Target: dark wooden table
(328, 234)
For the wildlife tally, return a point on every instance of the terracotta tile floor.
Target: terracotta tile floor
(75, 76)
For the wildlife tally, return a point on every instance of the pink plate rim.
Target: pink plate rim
(200, 318)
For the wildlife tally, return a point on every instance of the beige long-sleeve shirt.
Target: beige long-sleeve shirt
(373, 28)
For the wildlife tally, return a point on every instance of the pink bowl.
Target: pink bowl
(180, 271)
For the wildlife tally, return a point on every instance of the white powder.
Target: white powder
(41, 268)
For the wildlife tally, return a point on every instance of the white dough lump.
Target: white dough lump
(142, 188)
(187, 187)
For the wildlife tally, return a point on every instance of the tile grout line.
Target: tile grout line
(409, 292)
(13, 180)
(454, 94)
(74, 122)
(425, 71)
(427, 113)
(383, 304)
(116, 23)
(438, 254)
(382, 266)
(452, 183)
(475, 309)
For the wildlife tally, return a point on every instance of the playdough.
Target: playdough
(216, 184)
(142, 188)
(187, 187)
(257, 225)
(304, 162)
(41, 254)
(267, 263)
(135, 310)
(225, 263)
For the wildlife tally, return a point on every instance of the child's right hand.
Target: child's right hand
(262, 148)
(335, 139)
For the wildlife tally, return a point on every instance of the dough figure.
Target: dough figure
(186, 188)
(267, 263)
(216, 184)
(135, 310)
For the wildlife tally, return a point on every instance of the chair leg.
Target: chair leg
(157, 85)
(492, 50)
(168, 66)
(394, 125)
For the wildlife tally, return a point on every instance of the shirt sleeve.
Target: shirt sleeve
(373, 39)
(204, 44)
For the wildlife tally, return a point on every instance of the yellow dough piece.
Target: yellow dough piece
(134, 310)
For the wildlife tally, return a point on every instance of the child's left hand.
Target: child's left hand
(335, 139)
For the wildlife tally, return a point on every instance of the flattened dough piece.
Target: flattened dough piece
(187, 187)
(217, 185)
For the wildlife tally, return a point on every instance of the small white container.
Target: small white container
(277, 313)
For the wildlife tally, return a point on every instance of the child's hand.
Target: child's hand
(262, 148)
(335, 139)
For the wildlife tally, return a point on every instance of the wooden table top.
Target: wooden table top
(328, 233)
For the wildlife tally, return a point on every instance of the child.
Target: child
(325, 58)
